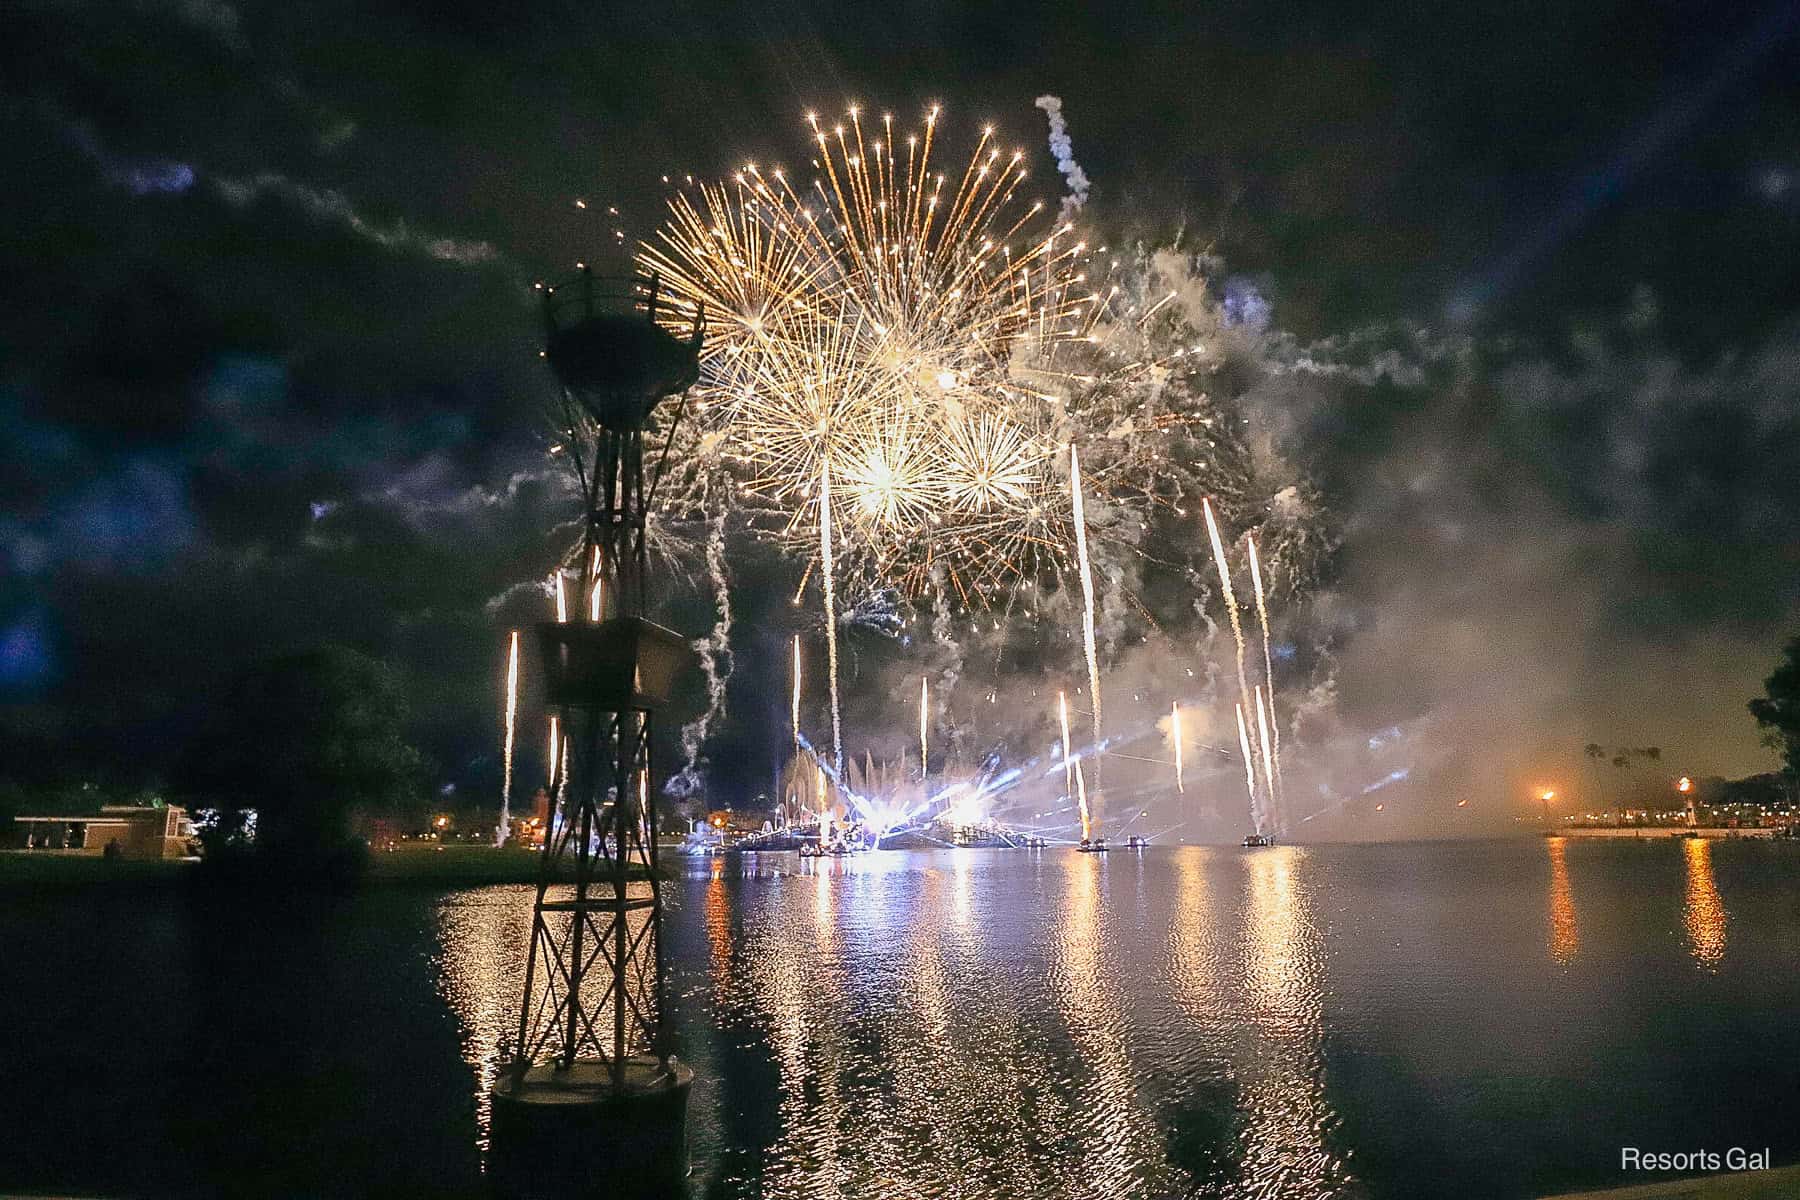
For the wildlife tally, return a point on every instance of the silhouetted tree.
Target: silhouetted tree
(1777, 710)
(302, 740)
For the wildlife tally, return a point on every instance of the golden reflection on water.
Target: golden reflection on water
(922, 1055)
(718, 923)
(1195, 978)
(1122, 1137)
(1288, 1115)
(1565, 937)
(483, 934)
(926, 1037)
(1703, 910)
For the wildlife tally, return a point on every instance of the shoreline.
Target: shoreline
(1715, 833)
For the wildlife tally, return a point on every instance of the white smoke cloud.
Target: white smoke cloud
(333, 206)
(715, 664)
(1064, 152)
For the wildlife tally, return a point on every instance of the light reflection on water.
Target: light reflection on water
(938, 1030)
(1403, 1021)
(969, 1023)
(1289, 1117)
(1120, 1139)
(1703, 910)
(1565, 936)
(480, 969)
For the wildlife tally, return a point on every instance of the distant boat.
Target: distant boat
(1095, 846)
(1137, 841)
(1259, 839)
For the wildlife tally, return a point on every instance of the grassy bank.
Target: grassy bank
(451, 866)
(462, 866)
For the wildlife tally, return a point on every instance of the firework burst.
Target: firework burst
(932, 339)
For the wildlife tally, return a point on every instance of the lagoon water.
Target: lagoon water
(1491, 1019)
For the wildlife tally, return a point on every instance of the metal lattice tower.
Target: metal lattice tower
(593, 1041)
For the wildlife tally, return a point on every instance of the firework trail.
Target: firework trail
(555, 742)
(1062, 711)
(1175, 728)
(597, 597)
(1262, 728)
(924, 710)
(512, 715)
(1063, 150)
(831, 653)
(795, 714)
(562, 778)
(715, 664)
(562, 601)
(1249, 765)
(1074, 782)
(1262, 615)
(643, 812)
(1087, 596)
(1237, 633)
(1081, 798)
(796, 704)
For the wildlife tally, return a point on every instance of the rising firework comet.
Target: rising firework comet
(506, 758)
(1175, 729)
(1237, 634)
(1262, 616)
(1262, 729)
(1074, 782)
(826, 585)
(1081, 800)
(1249, 766)
(796, 701)
(1062, 712)
(555, 744)
(1087, 591)
(924, 717)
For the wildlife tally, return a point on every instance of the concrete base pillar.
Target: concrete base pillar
(573, 1133)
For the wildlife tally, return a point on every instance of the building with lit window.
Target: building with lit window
(138, 832)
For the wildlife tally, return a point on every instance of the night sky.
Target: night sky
(268, 366)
